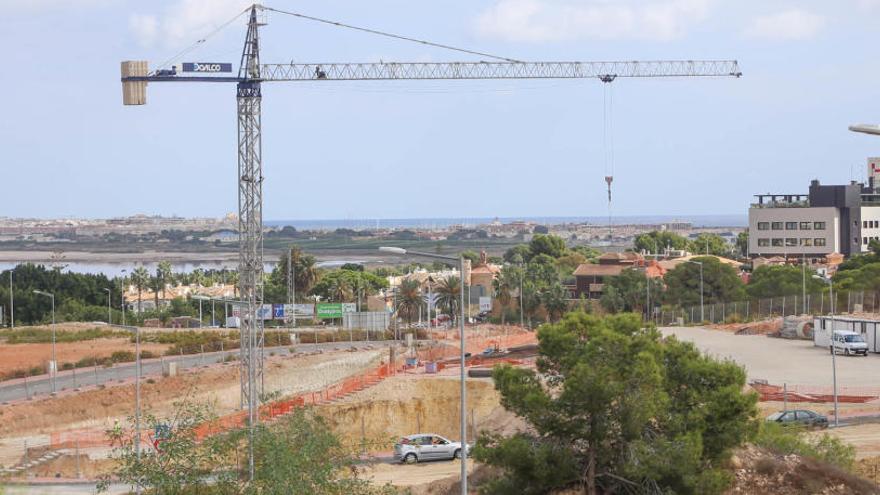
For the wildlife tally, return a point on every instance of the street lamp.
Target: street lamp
(109, 319)
(463, 392)
(11, 302)
(53, 370)
(702, 313)
(137, 394)
(122, 302)
(833, 350)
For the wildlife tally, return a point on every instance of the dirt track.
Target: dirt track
(20, 356)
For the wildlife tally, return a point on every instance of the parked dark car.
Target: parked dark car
(799, 417)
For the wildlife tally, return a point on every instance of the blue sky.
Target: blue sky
(401, 149)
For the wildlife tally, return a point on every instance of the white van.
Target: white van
(849, 343)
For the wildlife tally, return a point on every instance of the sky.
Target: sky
(433, 149)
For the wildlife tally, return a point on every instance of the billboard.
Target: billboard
(278, 311)
(485, 304)
(209, 67)
(329, 310)
(335, 310)
(301, 310)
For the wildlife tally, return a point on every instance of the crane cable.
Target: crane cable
(391, 35)
(608, 144)
(201, 40)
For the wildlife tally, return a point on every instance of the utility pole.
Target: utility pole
(11, 302)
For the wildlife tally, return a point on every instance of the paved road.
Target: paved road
(84, 377)
(782, 361)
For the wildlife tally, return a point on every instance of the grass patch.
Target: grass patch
(44, 335)
(792, 440)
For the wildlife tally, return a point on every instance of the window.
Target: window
(864, 224)
(776, 226)
(791, 225)
(864, 239)
(806, 226)
(818, 226)
(808, 242)
(778, 242)
(763, 242)
(763, 225)
(819, 241)
(790, 242)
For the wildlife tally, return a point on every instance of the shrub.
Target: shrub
(790, 440)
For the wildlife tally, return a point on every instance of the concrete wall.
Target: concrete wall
(870, 217)
(831, 233)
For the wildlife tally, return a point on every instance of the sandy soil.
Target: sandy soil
(864, 437)
(376, 417)
(217, 385)
(18, 356)
(416, 474)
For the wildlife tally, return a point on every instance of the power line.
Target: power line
(391, 35)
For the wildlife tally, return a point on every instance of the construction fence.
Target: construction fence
(761, 309)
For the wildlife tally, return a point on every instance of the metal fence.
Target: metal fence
(759, 309)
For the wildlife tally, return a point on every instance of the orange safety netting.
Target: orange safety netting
(98, 438)
(805, 393)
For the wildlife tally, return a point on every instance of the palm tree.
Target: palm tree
(140, 277)
(448, 294)
(305, 272)
(340, 290)
(164, 273)
(555, 299)
(504, 285)
(409, 299)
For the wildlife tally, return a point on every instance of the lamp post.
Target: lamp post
(137, 394)
(53, 370)
(463, 391)
(122, 302)
(109, 318)
(833, 350)
(702, 312)
(11, 302)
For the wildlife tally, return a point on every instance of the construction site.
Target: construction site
(58, 415)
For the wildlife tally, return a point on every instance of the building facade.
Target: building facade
(841, 219)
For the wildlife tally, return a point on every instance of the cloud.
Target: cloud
(565, 20)
(184, 21)
(790, 25)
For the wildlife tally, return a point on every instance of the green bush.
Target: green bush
(792, 440)
(44, 335)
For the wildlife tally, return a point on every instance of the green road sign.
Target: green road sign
(329, 310)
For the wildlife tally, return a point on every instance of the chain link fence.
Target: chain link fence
(845, 302)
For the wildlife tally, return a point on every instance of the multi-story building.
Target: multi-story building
(830, 219)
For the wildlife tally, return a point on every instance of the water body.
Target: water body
(426, 223)
(118, 269)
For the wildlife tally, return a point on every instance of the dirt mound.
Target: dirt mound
(763, 327)
(759, 472)
(869, 468)
(404, 405)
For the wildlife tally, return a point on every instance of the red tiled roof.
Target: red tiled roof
(590, 270)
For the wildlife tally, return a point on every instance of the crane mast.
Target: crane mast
(250, 226)
(251, 75)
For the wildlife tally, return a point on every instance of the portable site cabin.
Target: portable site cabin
(869, 328)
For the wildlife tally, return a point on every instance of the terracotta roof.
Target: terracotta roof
(493, 269)
(590, 270)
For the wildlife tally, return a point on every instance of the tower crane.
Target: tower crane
(251, 76)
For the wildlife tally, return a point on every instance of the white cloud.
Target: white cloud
(184, 21)
(788, 25)
(563, 20)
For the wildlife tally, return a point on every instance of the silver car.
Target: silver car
(426, 447)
